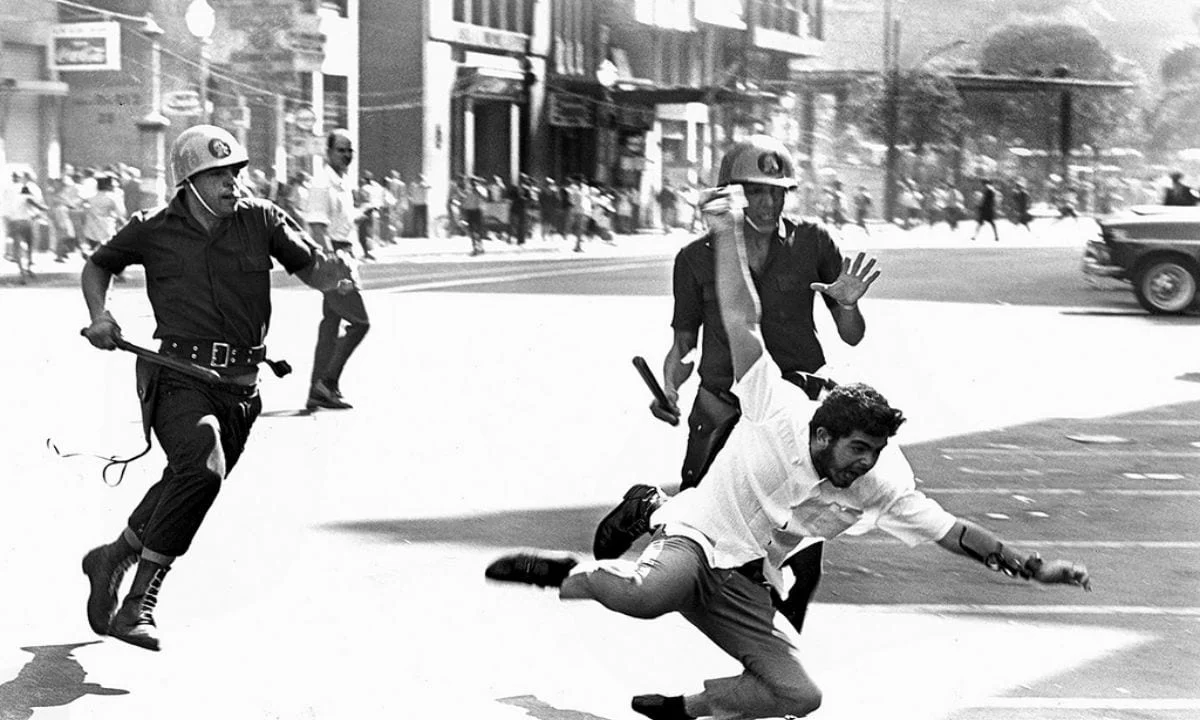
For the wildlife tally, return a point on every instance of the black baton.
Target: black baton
(183, 366)
(643, 369)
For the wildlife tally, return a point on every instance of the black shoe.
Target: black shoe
(660, 707)
(321, 396)
(105, 567)
(134, 622)
(541, 569)
(627, 522)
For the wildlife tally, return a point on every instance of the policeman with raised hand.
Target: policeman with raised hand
(207, 257)
(793, 469)
(791, 262)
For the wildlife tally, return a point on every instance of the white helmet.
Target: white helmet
(758, 159)
(204, 147)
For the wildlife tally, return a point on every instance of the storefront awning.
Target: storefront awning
(34, 87)
(711, 95)
(491, 84)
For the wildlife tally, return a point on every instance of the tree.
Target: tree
(1174, 121)
(930, 109)
(1053, 49)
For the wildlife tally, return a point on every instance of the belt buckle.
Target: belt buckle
(219, 350)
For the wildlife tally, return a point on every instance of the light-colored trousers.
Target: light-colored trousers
(735, 612)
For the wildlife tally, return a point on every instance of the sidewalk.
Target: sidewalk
(1046, 233)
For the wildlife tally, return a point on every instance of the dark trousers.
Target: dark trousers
(333, 347)
(420, 217)
(202, 430)
(21, 234)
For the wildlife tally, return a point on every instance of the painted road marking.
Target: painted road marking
(515, 277)
(1019, 492)
(1019, 610)
(1108, 544)
(967, 452)
(1049, 703)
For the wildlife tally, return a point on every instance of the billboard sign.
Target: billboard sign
(86, 46)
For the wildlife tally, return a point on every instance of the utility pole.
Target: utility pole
(891, 120)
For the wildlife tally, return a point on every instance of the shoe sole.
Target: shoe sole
(152, 645)
(611, 514)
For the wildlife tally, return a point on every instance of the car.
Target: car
(1156, 249)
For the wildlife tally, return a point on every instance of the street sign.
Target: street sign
(305, 119)
(181, 102)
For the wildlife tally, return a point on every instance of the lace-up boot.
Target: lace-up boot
(134, 622)
(105, 567)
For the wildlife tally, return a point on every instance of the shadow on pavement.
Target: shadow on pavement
(559, 528)
(53, 678)
(541, 710)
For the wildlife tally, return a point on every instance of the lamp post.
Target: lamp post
(152, 128)
(606, 75)
(891, 118)
(201, 20)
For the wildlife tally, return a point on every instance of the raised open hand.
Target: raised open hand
(853, 281)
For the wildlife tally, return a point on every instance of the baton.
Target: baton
(182, 366)
(647, 374)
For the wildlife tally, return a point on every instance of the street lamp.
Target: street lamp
(201, 20)
(606, 75)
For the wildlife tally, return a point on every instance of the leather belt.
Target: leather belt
(214, 354)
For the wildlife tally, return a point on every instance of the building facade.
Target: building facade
(453, 88)
(626, 93)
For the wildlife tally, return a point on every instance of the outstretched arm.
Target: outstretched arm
(736, 296)
(849, 287)
(974, 541)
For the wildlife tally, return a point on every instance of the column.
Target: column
(514, 142)
(469, 136)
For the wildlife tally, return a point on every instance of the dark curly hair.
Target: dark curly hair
(856, 407)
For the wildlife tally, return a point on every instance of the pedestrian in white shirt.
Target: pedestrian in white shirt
(792, 469)
(332, 221)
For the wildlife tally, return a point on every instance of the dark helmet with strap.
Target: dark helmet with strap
(204, 147)
(758, 159)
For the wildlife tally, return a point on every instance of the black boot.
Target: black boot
(134, 622)
(105, 567)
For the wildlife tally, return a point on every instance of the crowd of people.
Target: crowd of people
(81, 209)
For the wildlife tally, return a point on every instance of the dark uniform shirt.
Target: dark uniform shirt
(807, 255)
(204, 287)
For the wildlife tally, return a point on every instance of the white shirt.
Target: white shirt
(762, 496)
(331, 203)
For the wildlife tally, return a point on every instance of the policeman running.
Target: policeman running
(207, 257)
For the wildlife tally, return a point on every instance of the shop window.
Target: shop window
(337, 96)
(460, 10)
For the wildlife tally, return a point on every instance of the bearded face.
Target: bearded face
(844, 460)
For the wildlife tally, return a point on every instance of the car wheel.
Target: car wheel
(1166, 286)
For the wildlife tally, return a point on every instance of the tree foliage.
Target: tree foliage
(1174, 121)
(929, 109)
(1053, 49)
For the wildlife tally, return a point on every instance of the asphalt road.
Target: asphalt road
(340, 574)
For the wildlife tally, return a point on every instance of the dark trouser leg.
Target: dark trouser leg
(709, 425)
(420, 213)
(806, 567)
(350, 308)
(327, 335)
(202, 432)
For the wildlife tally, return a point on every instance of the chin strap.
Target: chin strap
(991, 552)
